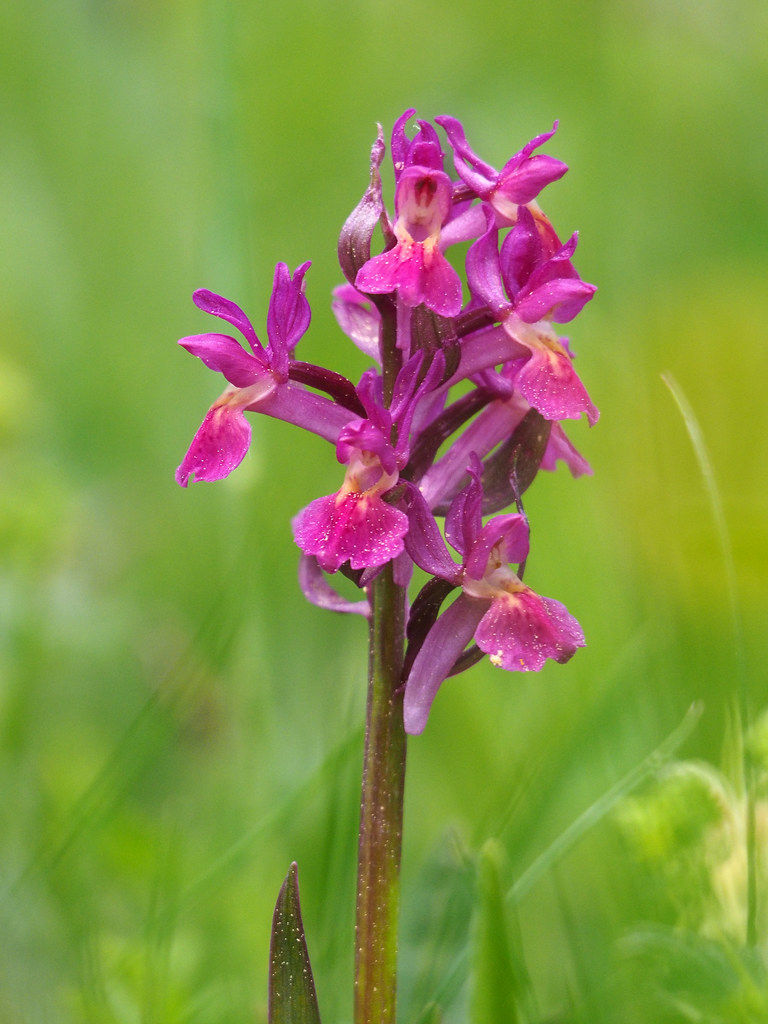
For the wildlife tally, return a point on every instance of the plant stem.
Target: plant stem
(381, 810)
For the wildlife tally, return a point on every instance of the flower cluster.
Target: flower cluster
(414, 447)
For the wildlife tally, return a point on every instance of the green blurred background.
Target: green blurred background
(176, 724)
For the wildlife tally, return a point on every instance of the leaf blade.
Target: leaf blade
(292, 996)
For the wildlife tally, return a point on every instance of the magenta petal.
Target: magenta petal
(424, 541)
(536, 141)
(470, 168)
(400, 144)
(562, 299)
(512, 529)
(408, 397)
(441, 285)
(466, 223)
(525, 175)
(465, 515)
(380, 274)
(362, 435)
(217, 305)
(364, 531)
(561, 447)
(521, 630)
(550, 384)
(358, 318)
(221, 353)
(289, 314)
(318, 590)
(402, 569)
(530, 177)
(219, 446)
(484, 270)
(445, 642)
(521, 252)
(419, 275)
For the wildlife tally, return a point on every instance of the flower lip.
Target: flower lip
(350, 526)
(521, 630)
(221, 442)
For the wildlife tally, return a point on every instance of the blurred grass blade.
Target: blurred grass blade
(713, 492)
(604, 804)
(496, 982)
(716, 503)
(431, 1014)
(292, 998)
(454, 977)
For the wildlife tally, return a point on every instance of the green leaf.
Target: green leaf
(497, 984)
(292, 998)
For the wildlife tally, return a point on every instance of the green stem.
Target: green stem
(381, 810)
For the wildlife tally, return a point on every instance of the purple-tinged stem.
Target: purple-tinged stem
(381, 810)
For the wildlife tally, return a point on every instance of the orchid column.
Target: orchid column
(414, 453)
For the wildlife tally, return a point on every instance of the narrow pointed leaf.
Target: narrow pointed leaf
(292, 998)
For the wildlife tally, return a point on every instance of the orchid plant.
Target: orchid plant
(464, 402)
